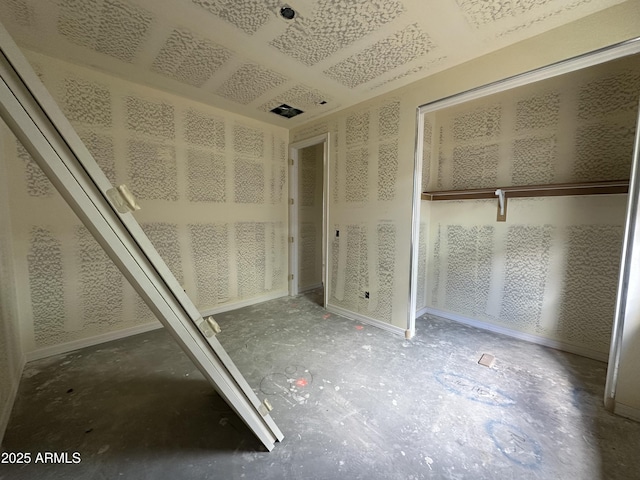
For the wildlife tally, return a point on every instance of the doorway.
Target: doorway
(308, 211)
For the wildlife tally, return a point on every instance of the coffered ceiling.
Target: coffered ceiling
(243, 56)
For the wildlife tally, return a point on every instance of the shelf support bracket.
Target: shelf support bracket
(502, 205)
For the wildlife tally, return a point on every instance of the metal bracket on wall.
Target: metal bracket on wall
(35, 118)
(502, 205)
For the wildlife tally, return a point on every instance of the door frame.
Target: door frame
(624, 302)
(294, 197)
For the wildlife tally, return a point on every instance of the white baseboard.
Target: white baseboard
(147, 327)
(11, 399)
(90, 341)
(539, 340)
(627, 411)
(244, 303)
(370, 321)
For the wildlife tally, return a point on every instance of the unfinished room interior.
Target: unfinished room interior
(319, 239)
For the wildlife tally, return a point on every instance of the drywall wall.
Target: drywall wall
(211, 185)
(11, 354)
(551, 269)
(310, 175)
(366, 198)
(372, 165)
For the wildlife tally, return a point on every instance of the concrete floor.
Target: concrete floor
(353, 402)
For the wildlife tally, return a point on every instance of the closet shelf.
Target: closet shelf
(552, 190)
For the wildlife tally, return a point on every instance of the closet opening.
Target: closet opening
(520, 202)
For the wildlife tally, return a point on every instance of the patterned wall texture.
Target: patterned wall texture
(573, 128)
(552, 268)
(593, 260)
(193, 169)
(364, 245)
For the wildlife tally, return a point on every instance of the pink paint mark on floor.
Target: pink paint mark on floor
(301, 382)
(359, 327)
(326, 315)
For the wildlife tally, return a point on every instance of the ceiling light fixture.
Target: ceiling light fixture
(287, 12)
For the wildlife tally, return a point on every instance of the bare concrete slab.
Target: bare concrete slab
(353, 402)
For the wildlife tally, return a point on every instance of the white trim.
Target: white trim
(244, 303)
(527, 337)
(90, 341)
(11, 399)
(294, 230)
(627, 411)
(414, 246)
(588, 59)
(623, 303)
(309, 142)
(362, 319)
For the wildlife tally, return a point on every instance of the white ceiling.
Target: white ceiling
(241, 55)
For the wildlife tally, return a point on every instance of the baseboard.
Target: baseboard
(361, 318)
(627, 411)
(547, 342)
(127, 332)
(422, 311)
(244, 303)
(11, 399)
(90, 341)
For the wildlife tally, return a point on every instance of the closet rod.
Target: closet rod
(558, 189)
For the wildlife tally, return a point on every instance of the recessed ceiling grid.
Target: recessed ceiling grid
(242, 55)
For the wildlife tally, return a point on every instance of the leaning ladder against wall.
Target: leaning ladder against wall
(34, 117)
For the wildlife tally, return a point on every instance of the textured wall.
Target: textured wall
(552, 268)
(365, 254)
(310, 179)
(211, 189)
(11, 354)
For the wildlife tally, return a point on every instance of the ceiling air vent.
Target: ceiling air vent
(286, 111)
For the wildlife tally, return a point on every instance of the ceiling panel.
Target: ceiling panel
(387, 54)
(334, 25)
(190, 58)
